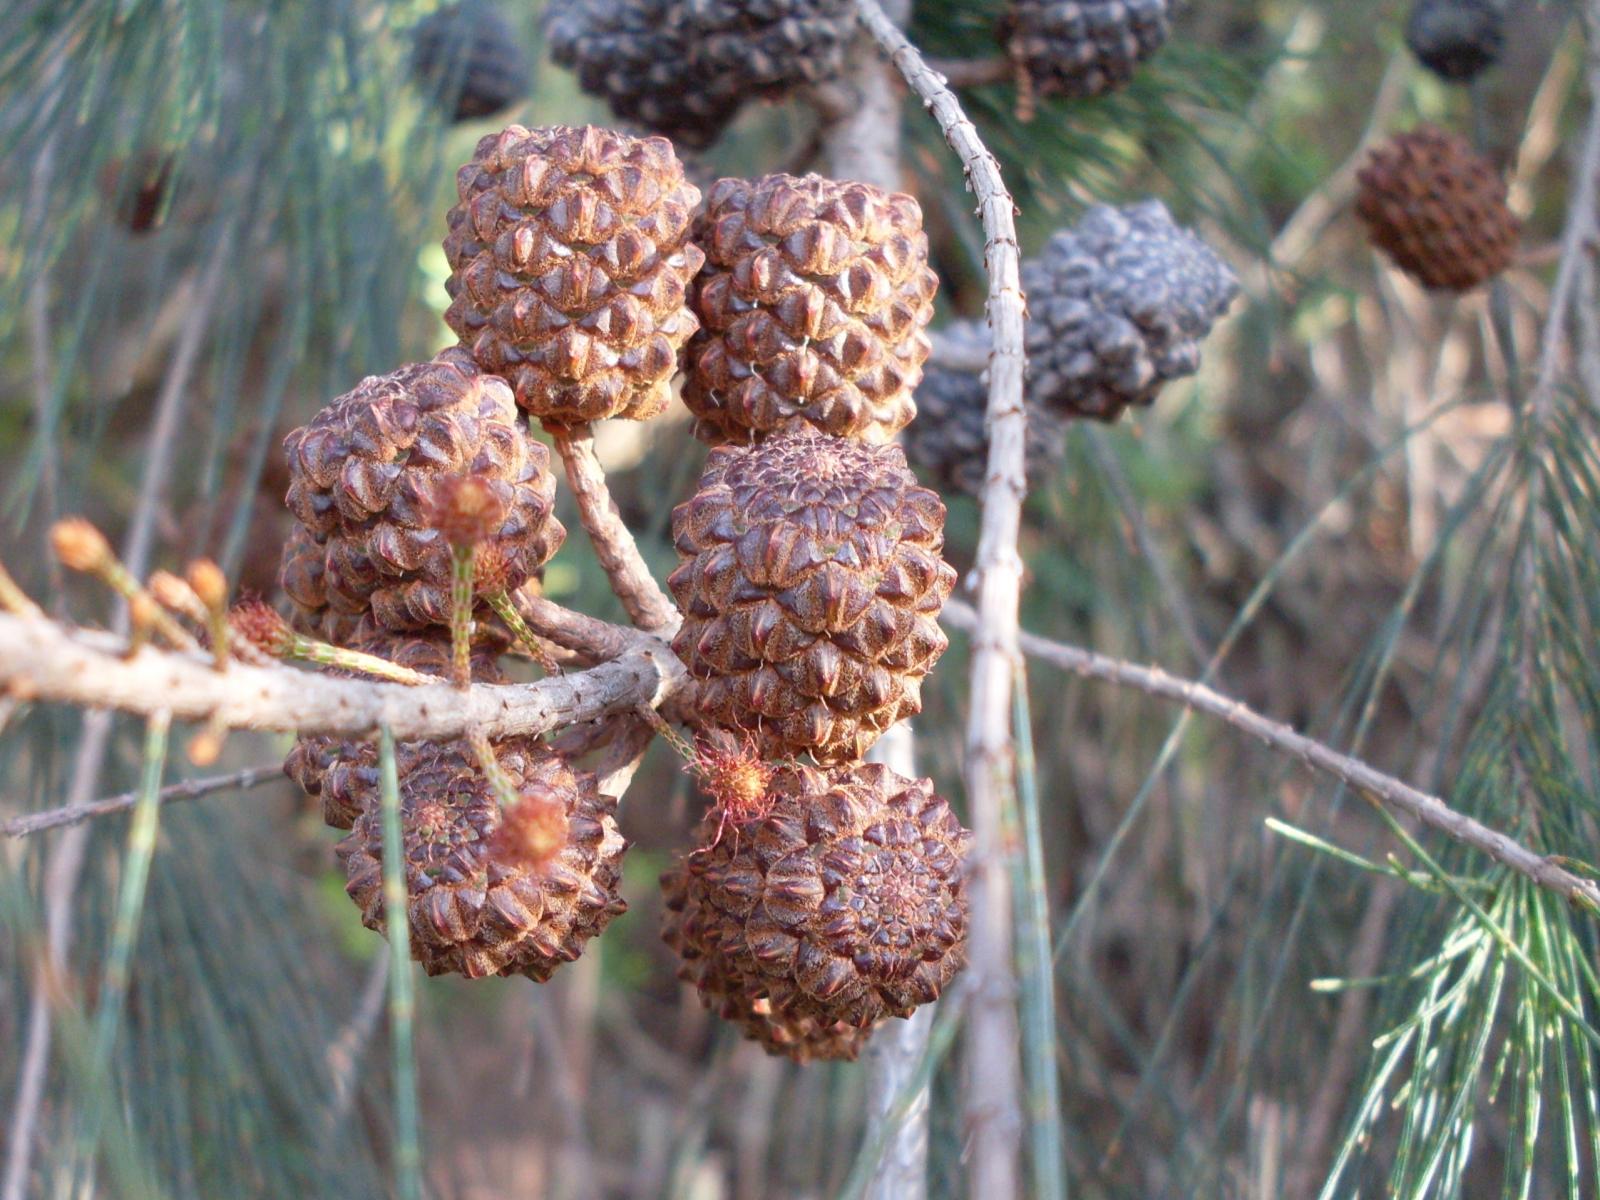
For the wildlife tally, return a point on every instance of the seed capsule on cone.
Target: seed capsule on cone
(844, 905)
(811, 584)
(1082, 48)
(363, 479)
(813, 304)
(471, 910)
(1438, 209)
(743, 1002)
(570, 261)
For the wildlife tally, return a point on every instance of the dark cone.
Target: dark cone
(1117, 307)
(811, 583)
(1457, 39)
(948, 443)
(570, 263)
(685, 69)
(1082, 48)
(470, 59)
(813, 305)
(1438, 209)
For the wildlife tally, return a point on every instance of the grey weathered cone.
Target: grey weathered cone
(811, 581)
(1082, 48)
(1117, 307)
(570, 262)
(813, 305)
(363, 476)
(1457, 39)
(684, 68)
(948, 443)
(842, 905)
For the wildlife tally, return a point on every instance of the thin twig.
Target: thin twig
(190, 789)
(87, 668)
(647, 605)
(1385, 789)
(1578, 237)
(349, 1047)
(993, 1114)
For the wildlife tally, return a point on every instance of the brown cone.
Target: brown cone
(1438, 209)
(811, 583)
(742, 1001)
(846, 903)
(471, 912)
(363, 476)
(570, 261)
(343, 773)
(813, 307)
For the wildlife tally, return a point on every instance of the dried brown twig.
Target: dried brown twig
(1369, 781)
(647, 605)
(994, 1116)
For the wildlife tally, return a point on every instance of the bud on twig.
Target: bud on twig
(81, 547)
(533, 830)
(211, 586)
(466, 509)
(13, 599)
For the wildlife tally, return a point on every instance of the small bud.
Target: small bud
(208, 582)
(466, 509)
(205, 747)
(143, 616)
(259, 624)
(532, 831)
(174, 595)
(79, 545)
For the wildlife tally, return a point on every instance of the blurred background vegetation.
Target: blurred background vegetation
(1348, 520)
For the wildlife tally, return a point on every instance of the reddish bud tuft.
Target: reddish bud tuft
(532, 831)
(734, 775)
(79, 545)
(259, 624)
(466, 509)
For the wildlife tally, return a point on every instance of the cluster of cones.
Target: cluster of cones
(686, 69)
(827, 893)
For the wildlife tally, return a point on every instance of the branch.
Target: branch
(993, 1113)
(49, 662)
(647, 605)
(1577, 239)
(1386, 789)
(192, 789)
(586, 636)
(974, 72)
